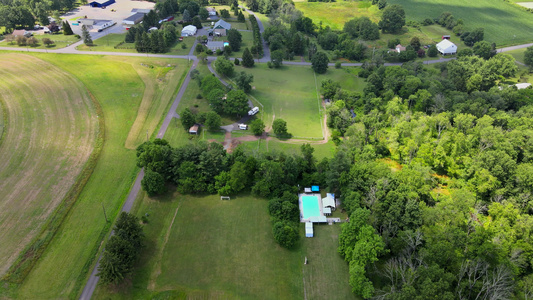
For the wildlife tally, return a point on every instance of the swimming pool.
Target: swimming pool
(310, 207)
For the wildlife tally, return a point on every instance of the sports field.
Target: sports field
(205, 248)
(50, 129)
(504, 23)
(115, 83)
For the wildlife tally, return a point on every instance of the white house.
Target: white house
(445, 47)
(188, 30)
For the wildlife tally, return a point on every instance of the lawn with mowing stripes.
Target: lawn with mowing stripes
(290, 93)
(66, 263)
(200, 247)
(504, 23)
(50, 129)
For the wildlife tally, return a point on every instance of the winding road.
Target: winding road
(71, 49)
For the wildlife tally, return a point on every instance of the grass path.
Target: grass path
(51, 127)
(160, 86)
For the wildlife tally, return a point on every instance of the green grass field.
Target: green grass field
(51, 127)
(205, 248)
(335, 14)
(65, 265)
(60, 41)
(295, 97)
(504, 23)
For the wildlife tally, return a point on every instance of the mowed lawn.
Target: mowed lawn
(50, 130)
(504, 23)
(206, 248)
(335, 14)
(288, 93)
(66, 264)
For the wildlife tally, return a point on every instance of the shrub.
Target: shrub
(338, 65)
(237, 62)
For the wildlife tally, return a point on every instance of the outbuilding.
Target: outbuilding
(102, 4)
(212, 11)
(329, 202)
(133, 19)
(22, 32)
(194, 129)
(445, 47)
(188, 30)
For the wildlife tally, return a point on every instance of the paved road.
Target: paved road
(89, 288)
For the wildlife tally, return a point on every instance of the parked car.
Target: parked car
(243, 126)
(253, 111)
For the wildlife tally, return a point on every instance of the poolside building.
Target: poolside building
(329, 202)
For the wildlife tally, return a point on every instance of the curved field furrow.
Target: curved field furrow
(50, 129)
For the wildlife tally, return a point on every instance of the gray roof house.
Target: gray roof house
(221, 27)
(214, 46)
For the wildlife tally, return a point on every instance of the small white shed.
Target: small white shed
(445, 47)
(188, 30)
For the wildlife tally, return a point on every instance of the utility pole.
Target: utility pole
(105, 216)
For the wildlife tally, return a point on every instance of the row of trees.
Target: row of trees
(122, 250)
(157, 41)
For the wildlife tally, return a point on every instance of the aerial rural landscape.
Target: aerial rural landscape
(266, 149)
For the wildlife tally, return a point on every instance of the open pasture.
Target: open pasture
(504, 23)
(200, 247)
(50, 129)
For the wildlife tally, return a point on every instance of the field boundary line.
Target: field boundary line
(35, 249)
(5, 117)
(157, 270)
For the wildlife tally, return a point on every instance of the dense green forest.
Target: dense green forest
(436, 173)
